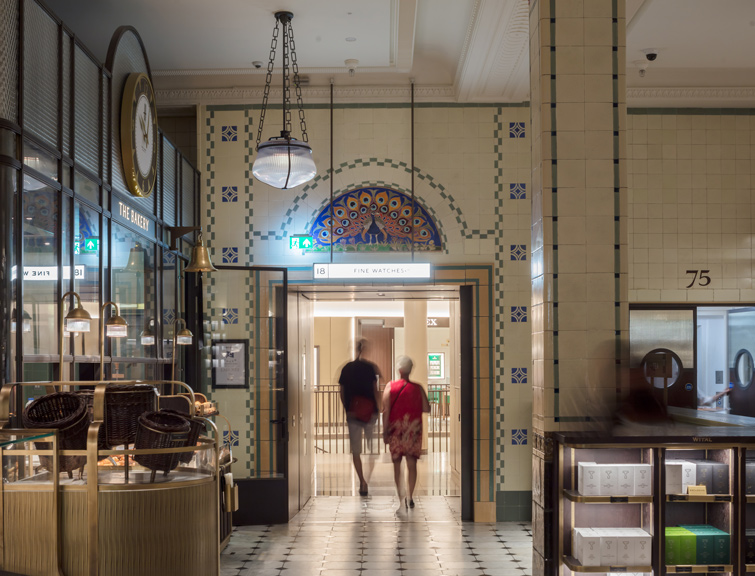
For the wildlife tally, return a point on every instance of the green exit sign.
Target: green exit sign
(91, 245)
(300, 242)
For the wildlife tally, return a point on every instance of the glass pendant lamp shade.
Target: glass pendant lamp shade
(284, 163)
(183, 337)
(147, 337)
(116, 327)
(26, 326)
(78, 320)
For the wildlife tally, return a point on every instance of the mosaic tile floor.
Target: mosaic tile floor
(374, 536)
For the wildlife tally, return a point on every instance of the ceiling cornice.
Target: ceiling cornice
(691, 96)
(310, 95)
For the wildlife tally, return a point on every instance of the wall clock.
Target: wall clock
(139, 135)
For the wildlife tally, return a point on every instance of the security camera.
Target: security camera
(257, 64)
(651, 55)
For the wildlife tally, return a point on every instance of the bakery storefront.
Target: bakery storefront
(99, 217)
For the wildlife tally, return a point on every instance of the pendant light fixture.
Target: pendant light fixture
(284, 162)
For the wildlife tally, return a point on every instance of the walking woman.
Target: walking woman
(404, 402)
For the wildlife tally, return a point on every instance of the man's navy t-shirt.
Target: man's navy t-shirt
(358, 379)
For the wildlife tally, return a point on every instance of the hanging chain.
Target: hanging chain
(297, 85)
(286, 80)
(268, 81)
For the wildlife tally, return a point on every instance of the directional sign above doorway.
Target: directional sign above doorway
(91, 245)
(300, 242)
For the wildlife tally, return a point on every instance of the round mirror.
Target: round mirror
(661, 367)
(744, 367)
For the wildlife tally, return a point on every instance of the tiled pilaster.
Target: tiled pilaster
(579, 209)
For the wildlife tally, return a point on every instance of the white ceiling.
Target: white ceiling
(456, 50)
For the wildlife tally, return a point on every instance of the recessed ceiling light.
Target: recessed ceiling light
(351, 39)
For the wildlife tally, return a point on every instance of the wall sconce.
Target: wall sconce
(77, 320)
(200, 256)
(115, 327)
(26, 324)
(181, 337)
(148, 336)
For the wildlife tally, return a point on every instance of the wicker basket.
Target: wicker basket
(196, 427)
(124, 403)
(67, 413)
(88, 395)
(160, 430)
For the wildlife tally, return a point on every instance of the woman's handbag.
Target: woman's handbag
(362, 408)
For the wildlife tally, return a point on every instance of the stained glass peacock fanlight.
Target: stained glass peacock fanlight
(375, 219)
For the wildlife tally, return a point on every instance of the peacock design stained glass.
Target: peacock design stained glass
(374, 219)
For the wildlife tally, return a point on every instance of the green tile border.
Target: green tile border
(375, 105)
(680, 111)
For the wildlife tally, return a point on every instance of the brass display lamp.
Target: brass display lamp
(200, 256)
(284, 162)
(26, 321)
(148, 336)
(182, 337)
(77, 320)
(115, 327)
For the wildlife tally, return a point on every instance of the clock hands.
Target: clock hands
(145, 132)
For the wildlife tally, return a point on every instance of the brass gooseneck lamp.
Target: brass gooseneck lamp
(148, 336)
(181, 337)
(26, 321)
(200, 256)
(115, 327)
(77, 320)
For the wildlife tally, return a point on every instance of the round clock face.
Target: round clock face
(139, 135)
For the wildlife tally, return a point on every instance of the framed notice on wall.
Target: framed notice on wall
(230, 359)
(436, 366)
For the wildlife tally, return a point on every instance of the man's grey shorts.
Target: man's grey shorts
(356, 428)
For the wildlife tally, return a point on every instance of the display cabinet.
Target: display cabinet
(699, 515)
(111, 502)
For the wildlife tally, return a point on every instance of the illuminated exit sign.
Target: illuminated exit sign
(91, 245)
(300, 242)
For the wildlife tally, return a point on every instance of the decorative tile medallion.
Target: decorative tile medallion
(230, 134)
(518, 252)
(230, 315)
(517, 191)
(230, 194)
(519, 436)
(169, 315)
(230, 255)
(375, 219)
(231, 437)
(516, 130)
(519, 375)
(518, 313)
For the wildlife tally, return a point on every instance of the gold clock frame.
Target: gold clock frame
(137, 84)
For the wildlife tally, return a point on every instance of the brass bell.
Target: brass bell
(200, 258)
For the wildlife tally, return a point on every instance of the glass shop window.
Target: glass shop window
(41, 161)
(133, 289)
(84, 187)
(41, 211)
(86, 278)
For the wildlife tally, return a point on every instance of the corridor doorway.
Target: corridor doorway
(340, 316)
